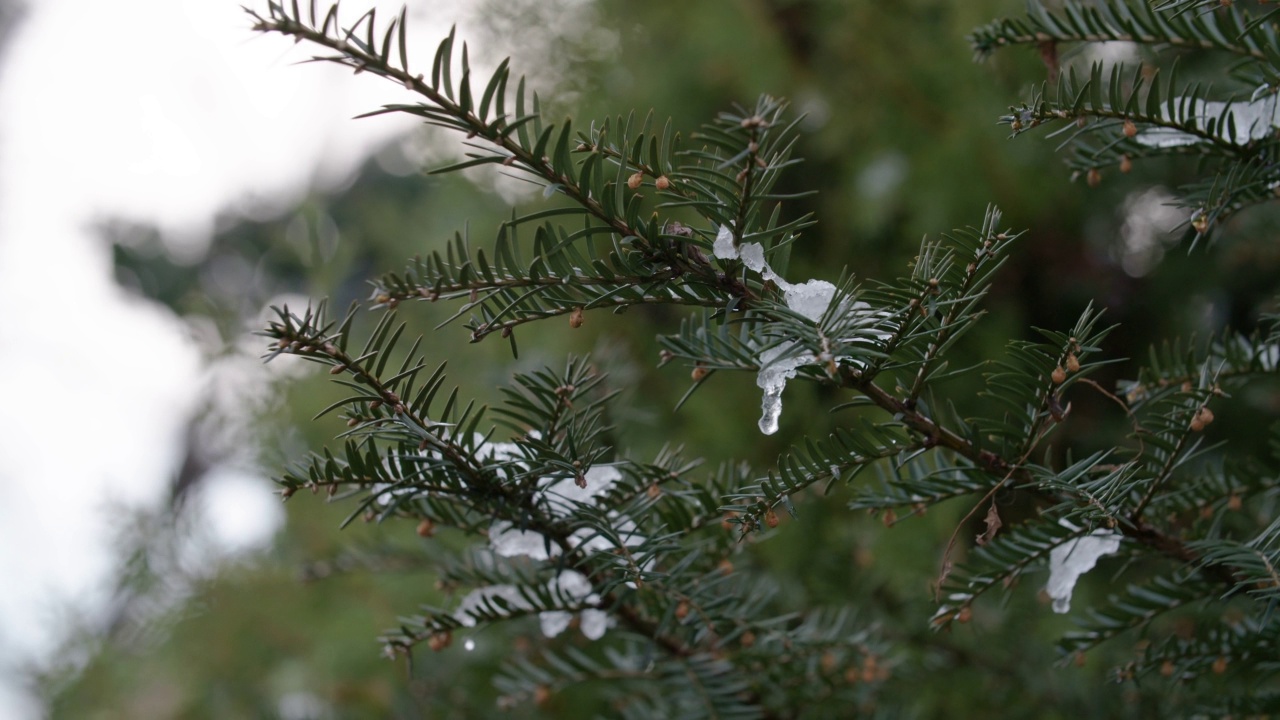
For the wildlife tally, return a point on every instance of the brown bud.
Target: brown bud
(634, 181)
(662, 183)
(337, 369)
(1200, 222)
(1126, 164)
(1079, 659)
(1167, 668)
(1081, 121)
(1073, 363)
(654, 491)
(771, 518)
(1220, 665)
(426, 528)
(1059, 375)
(725, 567)
(1202, 418)
(890, 517)
(383, 299)
(541, 695)
(439, 641)
(682, 610)
(353, 421)
(1234, 503)
(575, 318)
(1129, 128)
(964, 615)
(1093, 177)
(748, 639)
(699, 372)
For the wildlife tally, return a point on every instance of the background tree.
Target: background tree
(1003, 662)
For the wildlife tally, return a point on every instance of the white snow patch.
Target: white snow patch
(811, 299)
(723, 247)
(1073, 558)
(1244, 122)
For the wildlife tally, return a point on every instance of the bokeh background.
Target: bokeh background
(166, 176)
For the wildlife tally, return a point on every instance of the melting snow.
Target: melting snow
(1073, 558)
(810, 299)
(1248, 121)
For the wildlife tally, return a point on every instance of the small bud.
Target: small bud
(1166, 668)
(654, 491)
(541, 695)
(1081, 121)
(1202, 418)
(575, 318)
(748, 639)
(1126, 165)
(439, 641)
(828, 662)
(1058, 376)
(725, 567)
(699, 372)
(353, 421)
(634, 181)
(1220, 665)
(890, 517)
(1234, 503)
(964, 615)
(1073, 363)
(662, 183)
(1129, 128)
(1200, 222)
(1094, 177)
(1079, 659)
(383, 299)
(337, 369)
(506, 332)
(426, 528)
(771, 518)
(682, 610)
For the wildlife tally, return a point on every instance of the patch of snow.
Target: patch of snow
(1073, 558)
(1243, 122)
(811, 299)
(723, 247)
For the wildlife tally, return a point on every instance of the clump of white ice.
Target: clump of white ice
(570, 586)
(1247, 121)
(1073, 558)
(560, 497)
(811, 299)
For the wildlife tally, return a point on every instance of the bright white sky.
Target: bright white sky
(164, 112)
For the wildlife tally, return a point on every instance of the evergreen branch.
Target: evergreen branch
(1137, 608)
(1119, 21)
(514, 145)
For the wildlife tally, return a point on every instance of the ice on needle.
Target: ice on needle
(1073, 558)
